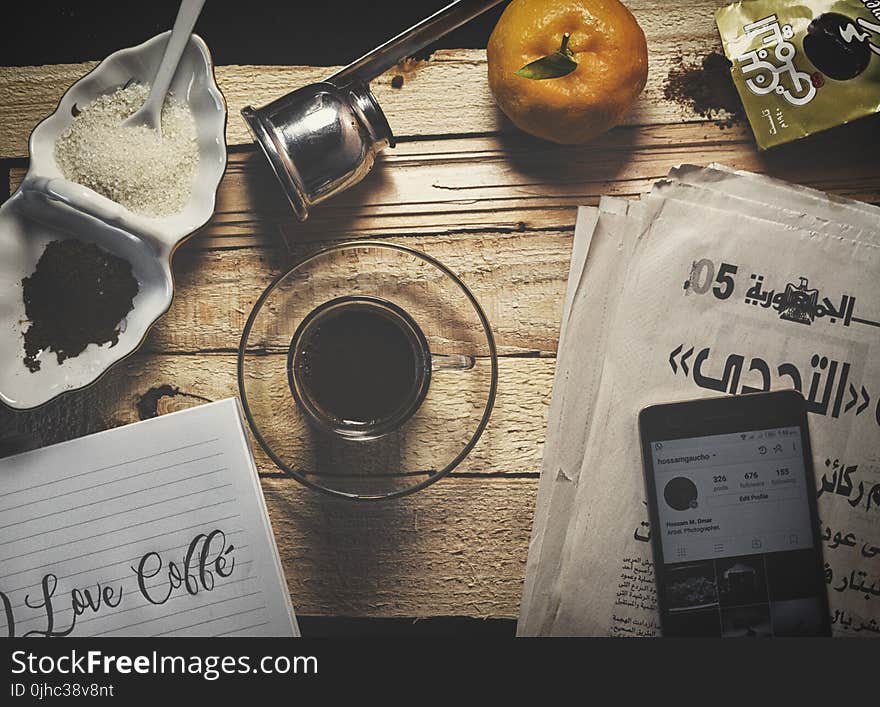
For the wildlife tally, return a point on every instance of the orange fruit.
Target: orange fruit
(612, 66)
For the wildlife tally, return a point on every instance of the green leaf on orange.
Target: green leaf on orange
(553, 66)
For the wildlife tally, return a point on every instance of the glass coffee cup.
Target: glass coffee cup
(368, 370)
(360, 366)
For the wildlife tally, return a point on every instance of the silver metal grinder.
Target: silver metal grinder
(323, 138)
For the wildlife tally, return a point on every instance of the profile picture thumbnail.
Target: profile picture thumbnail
(680, 493)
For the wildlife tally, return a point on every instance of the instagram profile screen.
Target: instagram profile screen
(736, 537)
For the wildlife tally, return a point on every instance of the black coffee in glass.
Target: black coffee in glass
(359, 367)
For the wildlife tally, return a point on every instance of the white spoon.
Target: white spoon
(150, 113)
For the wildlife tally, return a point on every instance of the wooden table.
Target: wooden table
(495, 206)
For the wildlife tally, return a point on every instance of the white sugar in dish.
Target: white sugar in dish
(132, 165)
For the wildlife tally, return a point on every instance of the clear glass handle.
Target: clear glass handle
(452, 362)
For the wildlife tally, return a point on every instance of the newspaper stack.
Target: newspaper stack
(718, 281)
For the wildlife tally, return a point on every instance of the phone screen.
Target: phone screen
(736, 536)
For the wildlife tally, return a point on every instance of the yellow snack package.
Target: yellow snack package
(803, 66)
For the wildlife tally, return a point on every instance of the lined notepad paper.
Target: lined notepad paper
(153, 529)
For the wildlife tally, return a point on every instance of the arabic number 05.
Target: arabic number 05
(703, 275)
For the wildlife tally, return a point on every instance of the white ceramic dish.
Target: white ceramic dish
(48, 207)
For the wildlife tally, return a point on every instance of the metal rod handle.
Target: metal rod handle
(407, 43)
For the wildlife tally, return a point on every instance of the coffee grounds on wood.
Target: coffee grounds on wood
(77, 295)
(706, 88)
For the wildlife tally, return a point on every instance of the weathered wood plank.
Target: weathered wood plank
(673, 29)
(458, 548)
(517, 183)
(487, 183)
(513, 183)
(467, 184)
(517, 278)
(145, 384)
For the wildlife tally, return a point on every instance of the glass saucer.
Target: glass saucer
(433, 439)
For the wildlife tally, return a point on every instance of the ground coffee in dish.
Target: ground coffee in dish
(130, 164)
(77, 295)
(359, 363)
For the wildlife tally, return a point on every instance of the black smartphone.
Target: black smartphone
(731, 495)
